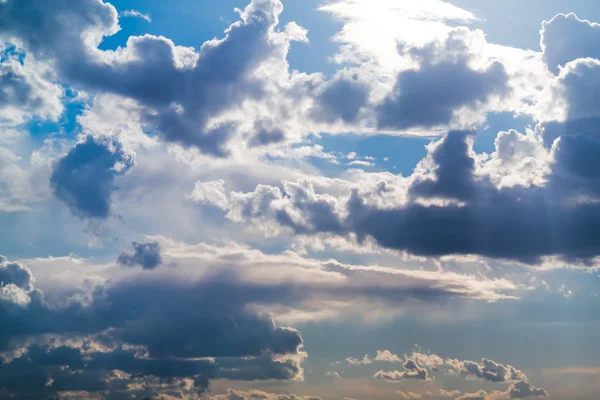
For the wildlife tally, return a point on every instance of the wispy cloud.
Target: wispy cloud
(136, 14)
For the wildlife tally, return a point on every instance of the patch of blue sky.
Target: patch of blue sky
(66, 126)
(10, 50)
(402, 153)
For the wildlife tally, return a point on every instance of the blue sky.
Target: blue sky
(299, 200)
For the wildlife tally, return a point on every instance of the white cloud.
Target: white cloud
(136, 14)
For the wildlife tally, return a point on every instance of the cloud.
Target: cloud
(146, 255)
(420, 366)
(409, 395)
(12, 273)
(517, 390)
(26, 88)
(387, 356)
(490, 371)
(355, 361)
(521, 389)
(210, 193)
(257, 394)
(181, 92)
(84, 179)
(446, 203)
(140, 327)
(480, 395)
(412, 370)
(566, 38)
(418, 99)
(136, 14)
(342, 98)
(393, 376)
(450, 393)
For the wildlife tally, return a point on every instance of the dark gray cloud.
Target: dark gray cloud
(513, 223)
(265, 136)
(85, 178)
(146, 255)
(517, 223)
(444, 83)
(341, 99)
(143, 327)
(454, 171)
(566, 38)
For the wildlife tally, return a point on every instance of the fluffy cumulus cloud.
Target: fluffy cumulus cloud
(566, 38)
(26, 89)
(423, 366)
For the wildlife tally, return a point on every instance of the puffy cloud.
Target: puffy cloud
(420, 366)
(387, 356)
(12, 273)
(418, 99)
(211, 193)
(566, 38)
(181, 91)
(26, 89)
(523, 389)
(451, 203)
(517, 390)
(146, 255)
(84, 179)
(490, 371)
(412, 370)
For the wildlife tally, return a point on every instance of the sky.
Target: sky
(299, 199)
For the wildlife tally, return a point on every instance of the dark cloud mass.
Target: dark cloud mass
(85, 178)
(146, 255)
(152, 327)
(342, 99)
(518, 223)
(444, 82)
